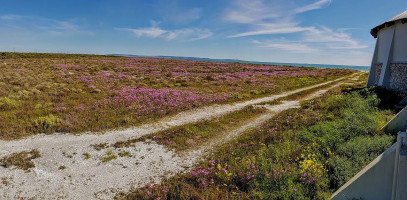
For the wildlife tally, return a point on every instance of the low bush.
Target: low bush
(357, 116)
(353, 155)
(304, 153)
(47, 124)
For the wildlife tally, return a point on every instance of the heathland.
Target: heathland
(149, 128)
(77, 93)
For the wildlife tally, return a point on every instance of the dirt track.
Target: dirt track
(149, 162)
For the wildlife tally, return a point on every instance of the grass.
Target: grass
(302, 153)
(301, 95)
(86, 155)
(100, 146)
(5, 181)
(47, 93)
(192, 135)
(124, 154)
(109, 156)
(21, 160)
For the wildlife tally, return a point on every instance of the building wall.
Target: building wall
(384, 40)
(392, 52)
(377, 70)
(400, 43)
(399, 53)
(398, 76)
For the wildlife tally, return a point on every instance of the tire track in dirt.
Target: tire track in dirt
(147, 162)
(58, 140)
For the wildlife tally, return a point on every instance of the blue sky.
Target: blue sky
(301, 31)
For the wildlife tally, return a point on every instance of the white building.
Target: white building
(389, 63)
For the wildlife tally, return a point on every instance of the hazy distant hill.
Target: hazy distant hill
(365, 68)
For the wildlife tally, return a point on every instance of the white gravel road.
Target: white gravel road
(93, 179)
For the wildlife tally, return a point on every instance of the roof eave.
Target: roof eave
(376, 29)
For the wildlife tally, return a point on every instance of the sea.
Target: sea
(361, 68)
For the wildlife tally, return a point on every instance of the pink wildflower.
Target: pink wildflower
(80, 108)
(63, 66)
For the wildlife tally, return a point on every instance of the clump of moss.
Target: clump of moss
(21, 160)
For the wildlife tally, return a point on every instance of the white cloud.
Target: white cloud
(255, 11)
(293, 47)
(333, 39)
(182, 34)
(273, 28)
(252, 11)
(315, 40)
(189, 34)
(151, 32)
(10, 17)
(278, 17)
(41, 24)
(269, 18)
(314, 6)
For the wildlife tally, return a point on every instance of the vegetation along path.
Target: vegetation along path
(88, 166)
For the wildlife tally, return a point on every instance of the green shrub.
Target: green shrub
(48, 123)
(348, 116)
(353, 155)
(7, 103)
(325, 134)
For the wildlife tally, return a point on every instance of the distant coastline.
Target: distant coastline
(361, 68)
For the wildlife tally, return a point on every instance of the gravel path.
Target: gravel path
(63, 172)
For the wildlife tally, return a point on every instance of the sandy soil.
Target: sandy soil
(148, 162)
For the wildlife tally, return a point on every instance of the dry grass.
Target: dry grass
(192, 135)
(100, 146)
(21, 160)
